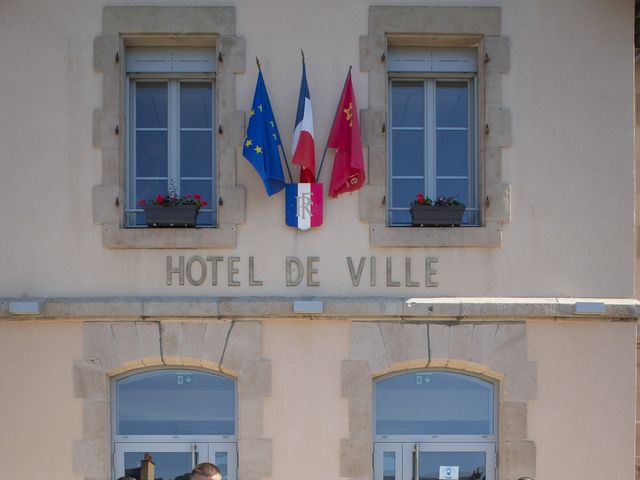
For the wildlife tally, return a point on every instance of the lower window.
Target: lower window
(167, 421)
(434, 425)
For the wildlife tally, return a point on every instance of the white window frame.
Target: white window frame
(173, 443)
(403, 445)
(179, 74)
(402, 71)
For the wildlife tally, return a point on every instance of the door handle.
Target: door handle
(416, 462)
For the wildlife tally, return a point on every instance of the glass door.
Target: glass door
(449, 461)
(172, 461)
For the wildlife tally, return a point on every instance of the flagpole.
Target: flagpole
(286, 163)
(332, 123)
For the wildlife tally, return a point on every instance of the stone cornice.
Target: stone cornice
(446, 309)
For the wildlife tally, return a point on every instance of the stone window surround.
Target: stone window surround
(152, 25)
(437, 26)
(496, 351)
(112, 348)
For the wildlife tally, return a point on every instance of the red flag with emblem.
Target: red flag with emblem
(348, 164)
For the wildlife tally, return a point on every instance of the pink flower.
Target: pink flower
(142, 202)
(197, 196)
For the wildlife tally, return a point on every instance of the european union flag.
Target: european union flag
(263, 138)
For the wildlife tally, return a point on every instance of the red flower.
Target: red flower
(142, 202)
(159, 199)
(197, 196)
(205, 203)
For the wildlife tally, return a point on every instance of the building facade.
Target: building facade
(363, 348)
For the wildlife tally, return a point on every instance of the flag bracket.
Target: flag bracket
(486, 129)
(117, 57)
(487, 59)
(384, 128)
(384, 200)
(383, 57)
(220, 58)
(220, 201)
(116, 130)
(220, 131)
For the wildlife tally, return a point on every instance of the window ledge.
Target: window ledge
(114, 236)
(381, 235)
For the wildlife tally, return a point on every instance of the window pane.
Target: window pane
(452, 153)
(471, 465)
(451, 104)
(222, 462)
(168, 465)
(151, 105)
(196, 154)
(407, 155)
(175, 402)
(404, 191)
(433, 403)
(407, 104)
(402, 217)
(195, 105)
(458, 189)
(149, 189)
(389, 466)
(151, 154)
(206, 216)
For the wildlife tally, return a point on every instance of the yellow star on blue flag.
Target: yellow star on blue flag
(263, 139)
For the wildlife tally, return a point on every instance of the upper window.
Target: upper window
(434, 425)
(170, 146)
(433, 137)
(178, 418)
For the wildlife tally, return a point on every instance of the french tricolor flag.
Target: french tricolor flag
(303, 146)
(303, 203)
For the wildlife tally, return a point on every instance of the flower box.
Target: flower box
(436, 215)
(171, 216)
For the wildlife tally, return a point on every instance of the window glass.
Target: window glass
(469, 465)
(151, 153)
(195, 105)
(407, 153)
(433, 403)
(452, 104)
(151, 105)
(167, 465)
(195, 154)
(407, 99)
(389, 466)
(175, 402)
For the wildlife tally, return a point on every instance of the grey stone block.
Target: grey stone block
(362, 307)
(377, 90)
(256, 455)
(371, 122)
(91, 458)
(355, 457)
(499, 51)
(179, 307)
(509, 347)
(93, 307)
(113, 236)
(111, 170)
(460, 341)
(104, 124)
(500, 200)
(214, 341)
(234, 208)
(226, 99)
(382, 236)
(521, 382)
(254, 380)
(149, 342)
(427, 19)
(193, 335)
(89, 381)
(513, 421)
(493, 90)
(104, 204)
(377, 163)
(245, 343)
(105, 48)
(127, 345)
(96, 419)
(250, 411)
(227, 164)
(170, 342)
(154, 19)
(499, 122)
(367, 344)
(357, 379)
(404, 342)
(438, 338)
(371, 203)
(233, 53)
(482, 343)
(372, 47)
(517, 459)
(99, 345)
(361, 417)
(427, 307)
(232, 124)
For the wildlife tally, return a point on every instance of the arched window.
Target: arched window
(434, 425)
(174, 419)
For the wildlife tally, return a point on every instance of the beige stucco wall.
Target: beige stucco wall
(306, 416)
(570, 166)
(39, 415)
(582, 419)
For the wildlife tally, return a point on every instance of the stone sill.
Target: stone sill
(114, 236)
(382, 236)
(448, 309)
